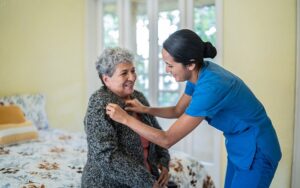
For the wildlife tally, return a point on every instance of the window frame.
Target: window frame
(296, 148)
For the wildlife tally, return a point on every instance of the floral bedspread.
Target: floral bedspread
(56, 160)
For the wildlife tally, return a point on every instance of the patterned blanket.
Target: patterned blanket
(56, 160)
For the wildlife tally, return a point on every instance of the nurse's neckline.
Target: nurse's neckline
(196, 76)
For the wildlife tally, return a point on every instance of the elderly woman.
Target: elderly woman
(118, 157)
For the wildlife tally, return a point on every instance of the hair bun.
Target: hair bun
(209, 50)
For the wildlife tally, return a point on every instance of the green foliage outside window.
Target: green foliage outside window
(205, 23)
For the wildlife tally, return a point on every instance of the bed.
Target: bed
(56, 157)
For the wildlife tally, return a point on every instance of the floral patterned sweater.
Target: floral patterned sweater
(115, 154)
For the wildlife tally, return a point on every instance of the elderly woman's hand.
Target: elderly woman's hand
(135, 106)
(116, 113)
(156, 185)
(164, 176)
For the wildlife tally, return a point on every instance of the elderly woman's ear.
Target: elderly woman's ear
(105, 79)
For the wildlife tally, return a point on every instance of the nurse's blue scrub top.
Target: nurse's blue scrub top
(229, 105)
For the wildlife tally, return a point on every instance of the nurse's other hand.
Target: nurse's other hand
(135, 106)
(116, 113)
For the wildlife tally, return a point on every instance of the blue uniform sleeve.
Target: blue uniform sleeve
(211, 93)
(189, 88)
(207, 100)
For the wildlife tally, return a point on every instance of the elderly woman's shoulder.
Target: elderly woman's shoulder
(138, 94)
(141, 97)
(99, 96)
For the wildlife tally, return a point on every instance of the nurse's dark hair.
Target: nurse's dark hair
(186, 47)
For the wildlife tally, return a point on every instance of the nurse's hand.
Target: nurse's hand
(135, 106)
(116, 113)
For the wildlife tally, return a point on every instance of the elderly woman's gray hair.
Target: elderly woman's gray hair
(110, 58)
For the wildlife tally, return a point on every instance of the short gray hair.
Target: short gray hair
(110, 58)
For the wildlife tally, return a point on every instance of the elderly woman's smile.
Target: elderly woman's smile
(129, 84)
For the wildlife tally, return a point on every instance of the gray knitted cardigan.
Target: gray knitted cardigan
(115, 155)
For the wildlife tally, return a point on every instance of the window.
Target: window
(110, 24)
(205, 21)
(168, 22)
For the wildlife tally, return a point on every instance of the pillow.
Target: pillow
(187, 171)
(11, 114)
(13, 133)
(33, 107)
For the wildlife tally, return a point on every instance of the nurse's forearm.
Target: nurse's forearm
(172, 111)
(154, 135)
(179, 129)
(164, 112)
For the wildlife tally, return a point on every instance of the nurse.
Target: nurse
(223, 100)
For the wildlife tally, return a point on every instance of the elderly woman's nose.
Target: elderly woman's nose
(167, 69)
(132, 76)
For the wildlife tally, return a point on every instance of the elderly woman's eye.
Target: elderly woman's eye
(169, 65)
